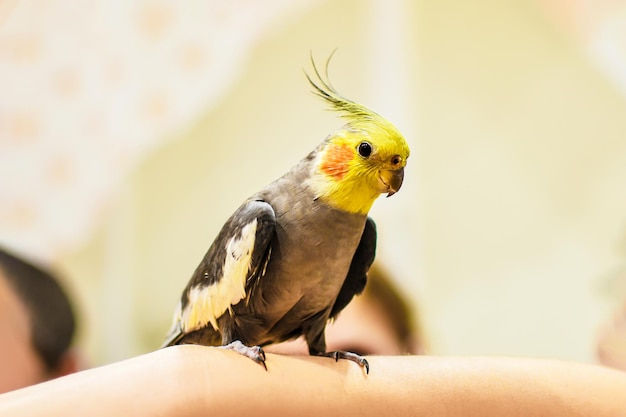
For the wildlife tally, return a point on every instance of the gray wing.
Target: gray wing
(357, 274)
(226, 274)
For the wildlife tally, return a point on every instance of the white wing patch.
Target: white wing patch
(207, 304)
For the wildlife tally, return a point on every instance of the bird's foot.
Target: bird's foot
(340, 354)
(255, 353)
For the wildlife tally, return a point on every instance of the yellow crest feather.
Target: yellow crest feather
(348, 109)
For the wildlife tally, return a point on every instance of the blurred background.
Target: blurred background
(129, 131)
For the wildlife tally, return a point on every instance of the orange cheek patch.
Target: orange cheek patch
(336, 160)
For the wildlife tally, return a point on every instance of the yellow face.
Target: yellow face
(359, 163)
(364, 159)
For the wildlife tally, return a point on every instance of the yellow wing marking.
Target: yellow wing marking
(207, 304)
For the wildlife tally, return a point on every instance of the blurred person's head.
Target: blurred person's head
(611, 344)
(380, 321)
(37, 325)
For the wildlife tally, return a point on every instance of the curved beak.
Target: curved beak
(392, 180)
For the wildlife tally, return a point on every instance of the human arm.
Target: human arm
(195, 380)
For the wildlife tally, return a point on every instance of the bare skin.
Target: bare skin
(196, 380)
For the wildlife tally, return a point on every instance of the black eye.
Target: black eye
(365, 149)
(396, 160)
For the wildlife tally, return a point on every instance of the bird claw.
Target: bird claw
(340, 354)
(256, 353)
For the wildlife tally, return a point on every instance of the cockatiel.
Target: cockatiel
(293, 255)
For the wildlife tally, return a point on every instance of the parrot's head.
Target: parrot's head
(360, 161)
